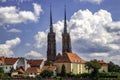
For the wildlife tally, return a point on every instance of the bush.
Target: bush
(46, 74)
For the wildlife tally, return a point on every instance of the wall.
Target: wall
(67, 66)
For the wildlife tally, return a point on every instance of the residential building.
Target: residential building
(38, 63)
(32, 72)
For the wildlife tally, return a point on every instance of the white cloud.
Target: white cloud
(99, 55)
(11, 15)
(33, 54)
(14, 30)
(27, 44)
(3, 0)
(92, 1)
(91, 33)
(37, 9)
(6, 49)
(41, 38)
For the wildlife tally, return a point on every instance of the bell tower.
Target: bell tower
(66, 40)
(51, 41)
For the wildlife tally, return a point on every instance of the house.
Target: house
(73, 63)
(39, 63)
(32, 71)
(19, 72)
(51, 68)
(104, 66)
(10, 63)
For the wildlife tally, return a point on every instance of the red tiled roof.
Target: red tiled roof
(33, 70)
(2, 59)
(71, 58)
(48, 68)
(35, 63)
(21, 70)
(10, 61)
(102, 63)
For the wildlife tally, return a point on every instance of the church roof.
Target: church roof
(70, 58)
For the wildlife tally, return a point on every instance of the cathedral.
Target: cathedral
(51, 40)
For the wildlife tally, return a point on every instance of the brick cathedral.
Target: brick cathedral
(51, 40)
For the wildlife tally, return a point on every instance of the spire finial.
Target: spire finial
(51, 25)
(65, 23)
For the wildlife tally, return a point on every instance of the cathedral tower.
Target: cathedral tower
(66, 41)
(51, 42)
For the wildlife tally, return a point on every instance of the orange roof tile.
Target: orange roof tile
(71, 58)
(21, 70)
(33, 70)
(48, 68)
(102, 63)
(10, 61)
(35, 63)
(2, 59)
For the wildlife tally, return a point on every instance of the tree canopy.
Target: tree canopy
(63, 71)
(46, 73)
(113, 67)
(94, 66)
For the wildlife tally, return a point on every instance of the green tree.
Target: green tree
(1, 73)
(46, 73)
(63, 71)
(113, 67)
(48, 63)
(94, 66)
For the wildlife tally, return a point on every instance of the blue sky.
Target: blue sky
(94, 26)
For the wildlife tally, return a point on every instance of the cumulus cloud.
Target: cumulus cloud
(33, 54)
(93, 1)
(12, 15)
(37, 9)
(6, 49)
(41, 38)
(3, 0)
(14, 30)
(91, 34)
(99, 55)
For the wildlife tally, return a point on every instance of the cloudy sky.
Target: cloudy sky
(94, 26)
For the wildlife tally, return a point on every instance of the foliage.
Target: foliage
(94, 66)
(70, 74)
(63, 71)
(46, 73)
(1, 72)
(113, 67)
(48, 63)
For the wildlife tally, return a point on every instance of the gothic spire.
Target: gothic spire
(51, 25)
(65, 23)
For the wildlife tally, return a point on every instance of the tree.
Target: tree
(1, 73)
(48, 63)
(63, 71)
(113, 67)
(94, 66)
(46, 73)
